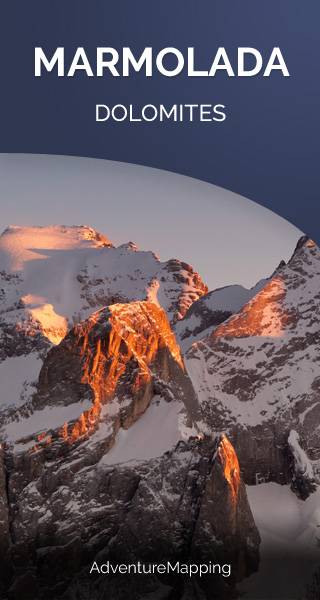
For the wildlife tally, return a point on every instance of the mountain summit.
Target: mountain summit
(52, 277)
(21, 245)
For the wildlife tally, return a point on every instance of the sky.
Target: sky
(225, 237)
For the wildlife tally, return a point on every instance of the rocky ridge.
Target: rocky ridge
(210, 310)
(52, 277)
(256, 374)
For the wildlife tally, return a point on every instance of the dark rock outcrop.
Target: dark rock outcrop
(189, 505)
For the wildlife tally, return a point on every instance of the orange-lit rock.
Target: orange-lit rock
(225, 516)
(230, 465)
(120, 352)
(265, 315)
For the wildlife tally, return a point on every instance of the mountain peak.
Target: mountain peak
(129, 246)
(306, 256)
(304, 242)
(20, 244)
(56, 235)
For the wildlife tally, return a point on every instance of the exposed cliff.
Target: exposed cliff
(106, 370)
(188, 505)
(69, 493)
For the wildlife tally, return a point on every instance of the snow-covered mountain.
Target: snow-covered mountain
(116, 446)
(257, 374)
(52, 277)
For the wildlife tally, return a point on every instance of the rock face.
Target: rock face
(257, 374)
(230, 523)
(303, 480)
(188, 505)
(106, 372)
(5, 535)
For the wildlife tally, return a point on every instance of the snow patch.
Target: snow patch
(157, 431)
(16, 375)
(53, 326)
(303, 465)
(49, 418)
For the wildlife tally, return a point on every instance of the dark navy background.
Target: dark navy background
(267, 150)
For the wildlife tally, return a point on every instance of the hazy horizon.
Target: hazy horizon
(225, 237)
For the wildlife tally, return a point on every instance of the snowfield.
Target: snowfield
(16, 375)
(252, 357)
(290, 548)
(156, 432)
